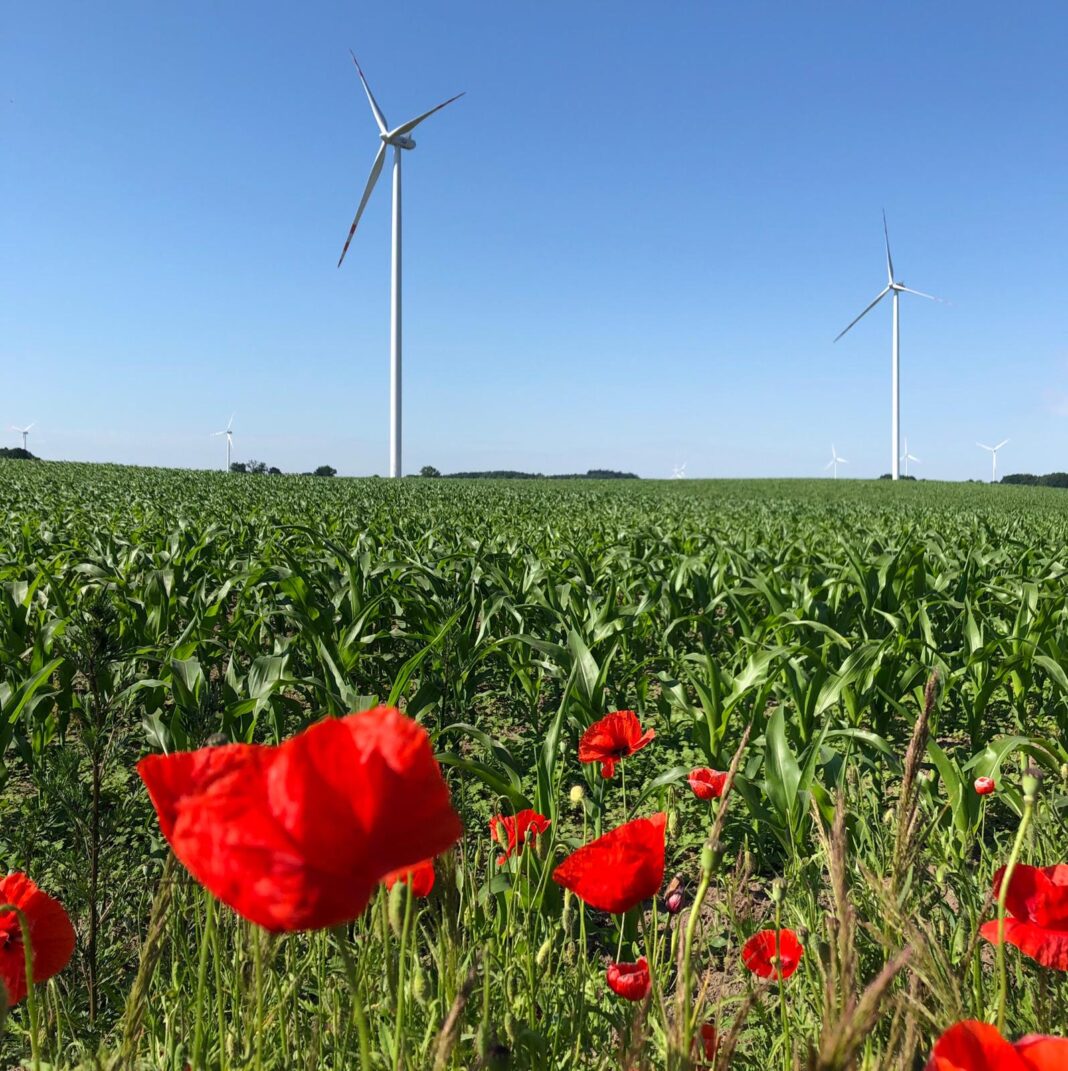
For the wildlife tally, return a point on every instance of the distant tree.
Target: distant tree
(325, 470)
(238, 466)
(16, 453)
(1022, 477)
(274, 470)
(429, 471)
(257, 468)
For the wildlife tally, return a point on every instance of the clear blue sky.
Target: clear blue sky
(630, 245)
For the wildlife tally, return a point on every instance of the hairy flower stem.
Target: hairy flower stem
(787, 1047)
(31, 1002)
(686, 982)
(357, 1000)
(197, 1058)
(402, 974)
(1003, 893)
(257, 966)
(623, 786)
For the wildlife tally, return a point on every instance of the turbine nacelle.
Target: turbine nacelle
(402, 141)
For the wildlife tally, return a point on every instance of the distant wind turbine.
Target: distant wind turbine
(993, 458)
(399, 139)
(896, 288)
(24, 432)
(228, 431)
(679, 472)
(907, 457)
(835, 462)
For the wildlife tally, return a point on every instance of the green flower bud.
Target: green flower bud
(577, 795)
(778, 891)
(396, 907)
(543, 952)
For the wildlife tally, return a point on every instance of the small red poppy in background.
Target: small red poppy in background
(759, 953)
(619, 870)
(631, 981)
(512, 832)
(974, 1046)
(616, 736)
(419, 877)
(707, 784)
(1038, 902)
(298, 836)
(51, 935)
(984, 785)
(709, 1040)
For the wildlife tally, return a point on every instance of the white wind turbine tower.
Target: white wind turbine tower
(993, 458)
(24, 432)
(907, 457)
(679, 472)
(896, 288)
(835, 462)
(399, 139)
(228, 431)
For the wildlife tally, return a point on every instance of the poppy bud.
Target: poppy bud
(1064, 771)
(778, 891)
(396, 907)
(543, 952)
(577, 795)
(672, 822)
(707, 860)
(1030, 782)
(510, 1030)
(419, 986)
(674, 896)
(565, 915)
(984, 785)
(217, 740)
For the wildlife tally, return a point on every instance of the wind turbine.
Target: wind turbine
(24, 432)
(835, 462)
(907, 457)
(896, 288)
(679, 472)
(398, 138)
(228, 431)
(993, 458)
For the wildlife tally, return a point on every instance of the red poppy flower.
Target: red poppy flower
(631, 981)
(297, 837)
(619, 870)
(511, 833)
(984, 785)
(707, 784)
(973, 1046)
(709, 1040)
(51, 935)
(420, 877)
(1038, 903)
(614, 737)
(759, 952)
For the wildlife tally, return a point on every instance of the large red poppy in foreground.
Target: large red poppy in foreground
(619, 870)
(1037, 900)
(973, 1046)
(631, 981)
(296, 837)
(614, 737)
(512, 832)
(51, 935)
(759, 953)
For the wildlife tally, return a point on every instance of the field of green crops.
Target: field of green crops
(145, 611)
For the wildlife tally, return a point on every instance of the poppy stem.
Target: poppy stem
(257, 966)
(31, 1003)
(623, 787)
(357, 1000)
(787, 1058)
(202, 977)
(402, 973)
(1003, 893)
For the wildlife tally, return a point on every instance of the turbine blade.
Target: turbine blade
(984, 446)
(408, 127)
(842, 461)
(920, 293)
(889, 262)
(1001, 444)
(882, 294)
(829, 464)
(29, 426)
(380, 119)
(376, 170)
(230, 422)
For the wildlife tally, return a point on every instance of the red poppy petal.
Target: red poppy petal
(421, 877)
(973, 1046)
(620, 869)
(1043, 1053)
(52, 937)
(759, 952)
(1045, 946)
(629, 980)
(1033, 896)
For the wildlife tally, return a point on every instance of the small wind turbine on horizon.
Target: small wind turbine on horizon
(24, 432)
(398, 138)
(835, 462)
(907, 457)
(993, 458)
(897, 289)
(228, 431)
(679, 472)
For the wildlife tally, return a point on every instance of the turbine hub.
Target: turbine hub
(402, 141)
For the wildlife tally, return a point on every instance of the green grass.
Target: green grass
(142, 609)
